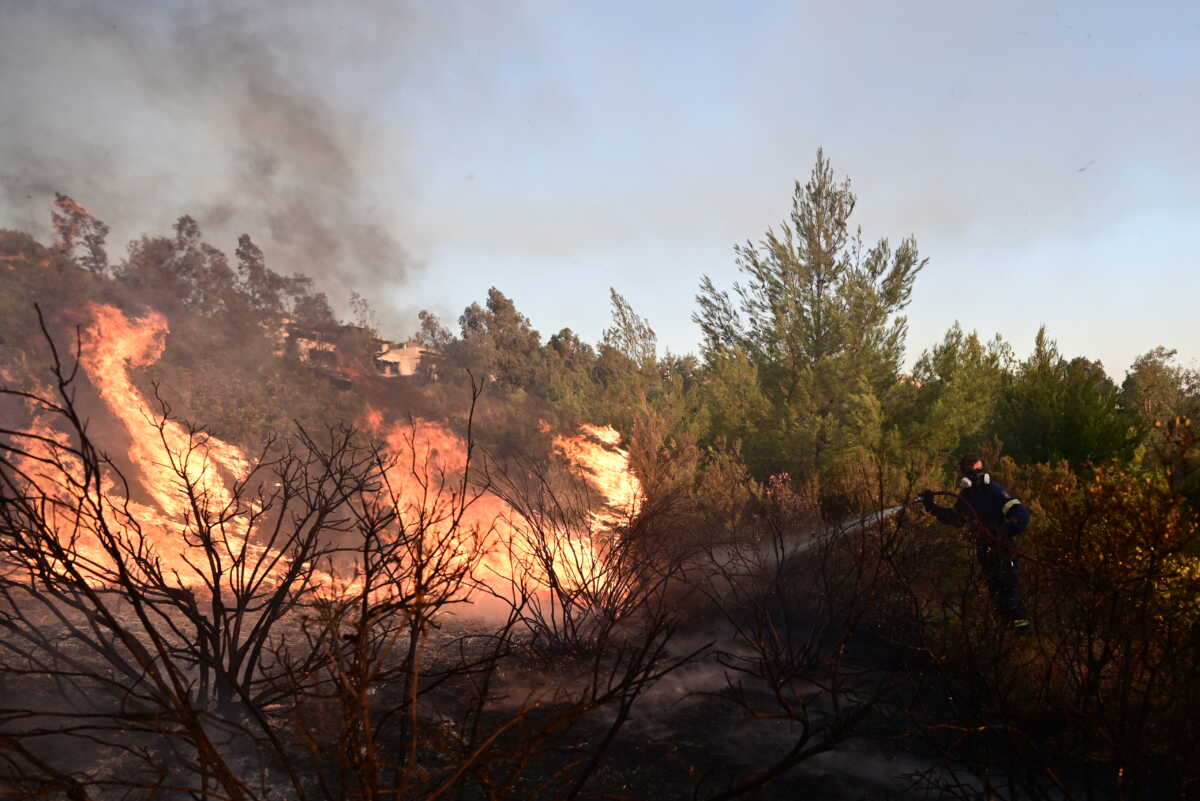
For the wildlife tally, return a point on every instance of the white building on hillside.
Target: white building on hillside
(400, 359)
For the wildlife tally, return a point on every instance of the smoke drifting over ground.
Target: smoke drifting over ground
(230, 115)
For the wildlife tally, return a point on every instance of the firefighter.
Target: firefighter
(997, 518)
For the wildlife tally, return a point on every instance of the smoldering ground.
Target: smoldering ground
(714, 721)
(685, 734)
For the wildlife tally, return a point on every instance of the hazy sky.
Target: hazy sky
(1046, 155)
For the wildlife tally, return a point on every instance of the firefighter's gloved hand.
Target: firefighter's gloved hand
(926, 497)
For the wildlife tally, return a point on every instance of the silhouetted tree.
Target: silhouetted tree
(262, 286)
(431, 333)
(80, 235)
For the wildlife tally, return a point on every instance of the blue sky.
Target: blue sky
(1045, 155)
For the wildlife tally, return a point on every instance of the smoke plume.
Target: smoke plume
(235, 115)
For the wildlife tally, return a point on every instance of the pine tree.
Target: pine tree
(1055, 409)
(818, 315)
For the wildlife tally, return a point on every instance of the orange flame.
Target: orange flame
(596, 455)
(163, 454)
(168, 459)
(166, 455)
(511, 548)
(423, 454)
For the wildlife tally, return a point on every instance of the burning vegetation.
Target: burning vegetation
(240, 559)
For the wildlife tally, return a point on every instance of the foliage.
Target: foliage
(499, 342)
(431, 333)
(1155, 388)
(946, 407)
(569, 377)
(630, 334)
(734, 409)
(818, 315)
(1163, 398)
(1058, 409)
(80, 235)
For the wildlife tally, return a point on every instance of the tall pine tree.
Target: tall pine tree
(818, 316)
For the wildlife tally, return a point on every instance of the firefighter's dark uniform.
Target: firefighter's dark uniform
(997, 518)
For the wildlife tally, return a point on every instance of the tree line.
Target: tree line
(799, 370)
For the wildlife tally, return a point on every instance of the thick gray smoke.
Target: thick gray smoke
(240, 117)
